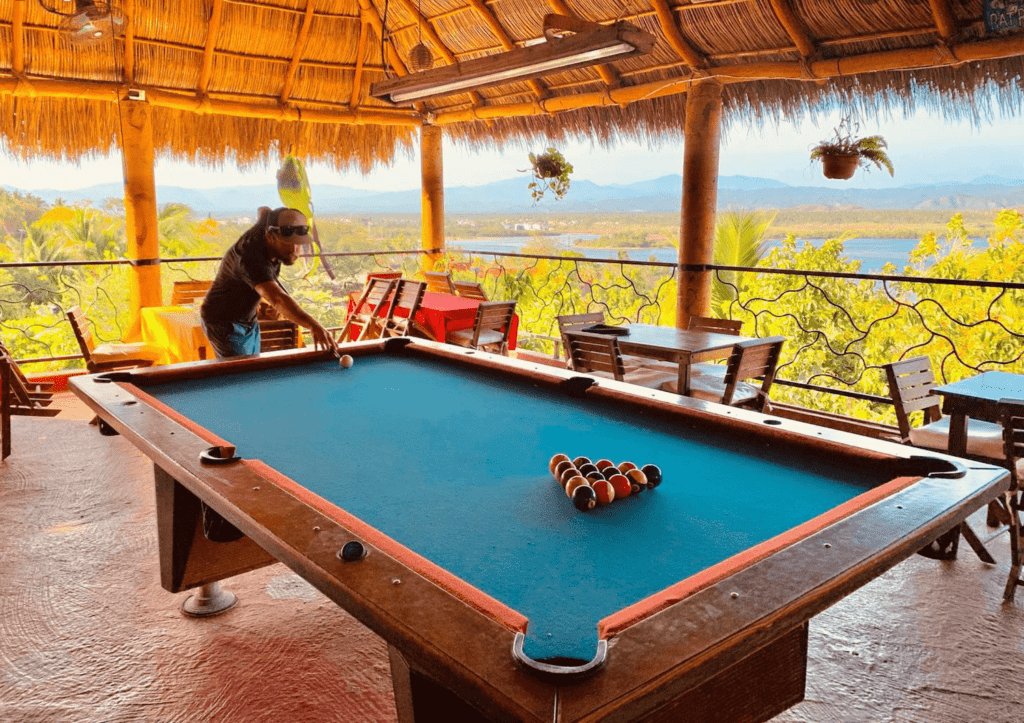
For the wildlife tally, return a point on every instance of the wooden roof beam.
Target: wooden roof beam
(372, 18)
(112, 92)
(674, 36)
(503, 37)
(890, 60)
(212, 30)
(794, 27)
(300, 47)
(607, 73)
(945, 21)
(18, 36)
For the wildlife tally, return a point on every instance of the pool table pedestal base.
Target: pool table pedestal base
(187, 558)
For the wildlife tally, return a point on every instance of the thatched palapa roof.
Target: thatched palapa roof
(248, 80)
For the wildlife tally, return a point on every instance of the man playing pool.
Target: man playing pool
(248, 272)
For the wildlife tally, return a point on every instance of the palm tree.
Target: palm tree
(740, 240)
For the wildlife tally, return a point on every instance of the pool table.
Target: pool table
(499, 600)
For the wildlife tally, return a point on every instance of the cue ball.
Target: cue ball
(345, 361)
(584, 498)
(620, 483)
(604, 491)
(653, 474)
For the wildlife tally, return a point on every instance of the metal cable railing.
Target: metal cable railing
(841, 327)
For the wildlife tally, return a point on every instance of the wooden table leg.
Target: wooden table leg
(958, 434)
(976, 544)
(683, 384)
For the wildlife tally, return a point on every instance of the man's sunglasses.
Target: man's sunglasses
(287, 231)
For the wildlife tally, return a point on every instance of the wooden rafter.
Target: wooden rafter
(794, 26)
(300, 47)
(357, 75)
(211, 40)
(18, 36)
(428, 31)
(945, 21)
(371, 17)
(674, 36)
(607, 73)
(128, 71)
(503, 37)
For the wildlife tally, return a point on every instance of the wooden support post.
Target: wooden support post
(700, 196)
(140, 212)
(432, 169)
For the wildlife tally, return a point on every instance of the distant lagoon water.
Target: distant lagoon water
(873, 253)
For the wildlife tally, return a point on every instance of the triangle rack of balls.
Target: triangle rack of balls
(590, 484)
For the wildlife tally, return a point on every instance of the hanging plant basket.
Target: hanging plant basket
(550, 173)
(840, 167)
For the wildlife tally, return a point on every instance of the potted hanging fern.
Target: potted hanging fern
(845, 152)
(550, 173)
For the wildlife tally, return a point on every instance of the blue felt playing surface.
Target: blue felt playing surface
(454, 465)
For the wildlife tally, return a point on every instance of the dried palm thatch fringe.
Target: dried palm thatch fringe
(215, 88)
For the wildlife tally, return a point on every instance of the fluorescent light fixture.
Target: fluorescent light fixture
(594, 44)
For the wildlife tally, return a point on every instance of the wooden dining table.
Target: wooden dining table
(976, 397)
(680, 346)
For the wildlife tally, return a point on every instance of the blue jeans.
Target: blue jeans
(230, 339)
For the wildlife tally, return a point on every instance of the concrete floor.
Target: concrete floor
(88, 635)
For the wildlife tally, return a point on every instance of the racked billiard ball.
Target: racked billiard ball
(653, 474)
(556, 459)
(604, 491)
(587, 468)
(580, 461)
(637, 480)
(561, 467)
(602, 464)
(620, 483)
(584, 498)
(594, 477)
(626, 466)
(574, 484)
(567, 474)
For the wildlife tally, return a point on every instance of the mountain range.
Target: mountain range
(511, 196)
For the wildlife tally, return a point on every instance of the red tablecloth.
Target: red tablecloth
(442, 313)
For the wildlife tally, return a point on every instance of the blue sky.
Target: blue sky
(923, 148)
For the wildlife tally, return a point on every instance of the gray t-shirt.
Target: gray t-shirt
(246, 265)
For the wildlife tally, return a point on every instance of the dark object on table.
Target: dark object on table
(607, 329)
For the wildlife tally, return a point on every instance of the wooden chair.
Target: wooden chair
(109, 356)
(599, 355)
(726, 384)
(1011, 414)
(470, 290)
(368, 310)
(910, 384)
(408, 297)
(577, 322)
(184, 293)
(26, 397)
(439, 282)
(491, 329)
(719, 326)
(392, 275)
(277, 334)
